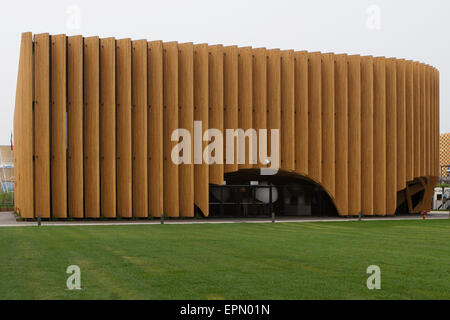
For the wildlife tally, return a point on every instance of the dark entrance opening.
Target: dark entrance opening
(246, 193)
(416, 192)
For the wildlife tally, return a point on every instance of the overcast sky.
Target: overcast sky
(409, 29)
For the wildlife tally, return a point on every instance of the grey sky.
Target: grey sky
(410, 29)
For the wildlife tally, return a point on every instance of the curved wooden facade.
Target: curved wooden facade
(94, 117)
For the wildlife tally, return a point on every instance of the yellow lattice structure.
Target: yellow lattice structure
(444, 153)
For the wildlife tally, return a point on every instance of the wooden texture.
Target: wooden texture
(155, 127)
(341, 133)
(139, 61)
(170, 120)
(186, 121)
(42, 125)
(301, 112)
(58, 126)
(423, 158)
(367, 139)
(354, 135)
(231, 101)
(124, 131)
(328, 127)
(391, 136)
(108, 127)
(315, 116)
(245, 103)
(427, 113)
(75, 168)
(401, 124)
(201, 169)
(433, 123)
(273, 98)
(379, 136)
(438, 113)
(409, 113)
(95, 126)
(91, 77)
(23, 131)
(287, 111)
(215, 114)
(437, 120)
(416, 120)
(259, 112)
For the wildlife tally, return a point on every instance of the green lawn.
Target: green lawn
(6, 200)
(325, 260)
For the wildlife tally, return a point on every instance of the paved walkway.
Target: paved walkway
(8, 219)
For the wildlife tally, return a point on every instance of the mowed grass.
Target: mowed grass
(326, 260)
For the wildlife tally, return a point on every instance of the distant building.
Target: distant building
(444, 154)
(6, 169)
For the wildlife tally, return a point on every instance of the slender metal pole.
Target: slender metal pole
(270, 204)
(162, 218)
(222, 209)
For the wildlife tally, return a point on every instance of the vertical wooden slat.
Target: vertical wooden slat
(379, 135)
(391, 136)
(436, 124)
(186, 121)
(432, 120)
(367, 138)
(42, 125)
(108, 196)
(75, 126)
(435, 133)
(259, 119)
(287, 111)
(139, 128)
(124, 132)
(301, 112)
(155, 127)
(438, 92)
(315, 116)
(433, 116)
(231, 99)
(328, 127)
(273, 98)
(201, 169)
(416, 107)
(170, 115)
(427, 120)
(409, 112)
(58, 126)
(354, 135)
(423, 158)
(245, 100)
(341, 133)
(401, 124)
(23, 131)
(91, 127)
(432, 151)
(216, 106)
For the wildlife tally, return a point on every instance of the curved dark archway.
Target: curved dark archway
(293, 195)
